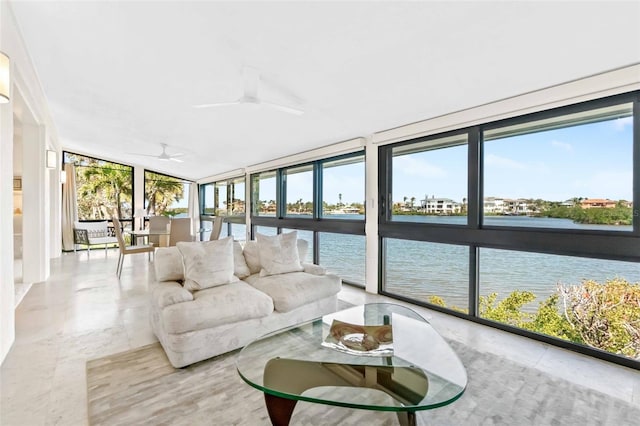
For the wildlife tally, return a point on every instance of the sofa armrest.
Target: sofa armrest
(311, 268)
(169, 293)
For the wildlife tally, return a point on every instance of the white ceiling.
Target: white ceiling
(121, 77)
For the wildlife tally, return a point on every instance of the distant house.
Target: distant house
(598, 202)
(494, 205)
(507, 206)
(440, 206)
(519, 206)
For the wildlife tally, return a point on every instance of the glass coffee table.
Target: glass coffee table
(379, 356)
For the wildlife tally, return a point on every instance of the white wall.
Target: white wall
(40, 205)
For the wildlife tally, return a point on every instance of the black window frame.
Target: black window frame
(597, 244)
(144, 185)
(133, 189)
(316, 223)
(229, 219)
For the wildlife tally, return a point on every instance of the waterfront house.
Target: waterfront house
(267, 97)
(440, 206)
(597, 202)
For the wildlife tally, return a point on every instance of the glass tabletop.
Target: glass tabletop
(376, 356)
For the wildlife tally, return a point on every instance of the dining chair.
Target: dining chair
(159, 224)
(180, 230)
(217, 228)
(125, 249)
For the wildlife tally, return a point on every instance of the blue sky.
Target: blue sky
(592, 160)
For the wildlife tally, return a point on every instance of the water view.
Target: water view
(421, 270)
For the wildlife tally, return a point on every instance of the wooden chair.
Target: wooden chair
(180, 230)
(217, 228)
(125, 249)
(159, 223)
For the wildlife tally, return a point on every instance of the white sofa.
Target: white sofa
(193, 325)
(92, 233)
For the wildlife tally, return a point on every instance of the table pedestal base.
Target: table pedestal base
(281, 409)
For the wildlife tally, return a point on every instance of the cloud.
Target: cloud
(411, 166)
(562, 145)
(493, 160)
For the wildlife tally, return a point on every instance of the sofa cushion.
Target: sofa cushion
(168, 293)
(292, 290)
(207, 264)
(279, 253)
(252, 256)
(215, 306)
(168, 264)
(240, 267)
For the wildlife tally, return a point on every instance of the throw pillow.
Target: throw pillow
(207, 264)
(279, 253)
(240, 267)
(252, 256)
(168, 264)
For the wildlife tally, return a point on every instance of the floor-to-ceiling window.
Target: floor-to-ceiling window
(323, 201)
(104, 189)
(528, 224)
(165, 195)
(227, 199)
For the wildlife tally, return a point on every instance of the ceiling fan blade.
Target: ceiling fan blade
(216, 104)
(283, 108)
(177, 160)
(144, 155)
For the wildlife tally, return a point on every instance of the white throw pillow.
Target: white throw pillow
(252, 256)
(168, 264)
(279, 253)
(240, 267)
(207, 264)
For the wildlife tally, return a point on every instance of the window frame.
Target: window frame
(317, 223)
(229, 219)
(144, 185)
(588, 243)
(133, 189)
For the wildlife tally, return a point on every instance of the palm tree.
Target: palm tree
(161, 192)
(103, 189)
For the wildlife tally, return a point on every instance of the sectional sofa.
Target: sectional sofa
(212, 297)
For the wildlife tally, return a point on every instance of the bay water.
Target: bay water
(420, 269)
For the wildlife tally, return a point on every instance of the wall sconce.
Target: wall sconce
(51, 159)
(63, 177)
(5, 81)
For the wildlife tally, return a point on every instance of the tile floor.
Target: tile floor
(83, 311)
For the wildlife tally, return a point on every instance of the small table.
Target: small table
(145, 233)
(292, 365)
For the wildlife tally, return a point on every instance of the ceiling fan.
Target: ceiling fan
(251, 80)
(164, 156)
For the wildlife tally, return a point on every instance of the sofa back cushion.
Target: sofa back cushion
(252, 254)
(207, 264)
(279, 253)
(168, 264)
(240, 267)
(169, 267)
